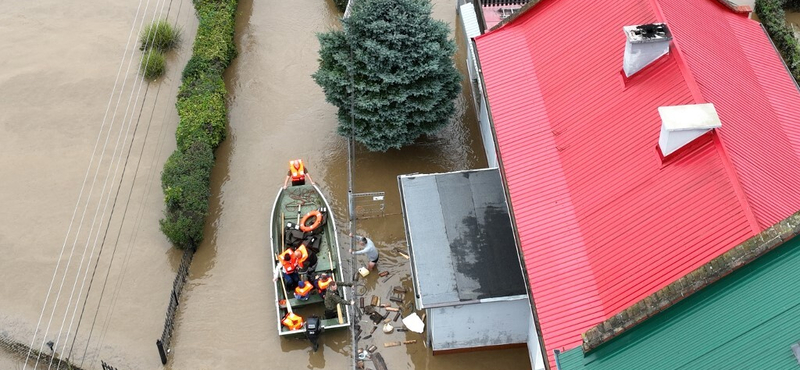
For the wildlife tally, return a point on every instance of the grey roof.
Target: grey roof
(460, 237)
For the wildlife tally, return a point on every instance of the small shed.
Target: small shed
(464, 261)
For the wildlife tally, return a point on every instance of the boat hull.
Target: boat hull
(285, 209)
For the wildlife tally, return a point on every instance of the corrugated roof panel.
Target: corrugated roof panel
(739, 71)
(747, 320)
(602, 221)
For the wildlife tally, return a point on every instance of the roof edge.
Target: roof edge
(736, 8)
(514, 16)
(705, 275)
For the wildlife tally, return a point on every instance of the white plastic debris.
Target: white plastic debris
(414, 323)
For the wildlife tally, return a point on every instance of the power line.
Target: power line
(55, 304)
(108, 198)
(122, 222)
(80, 194)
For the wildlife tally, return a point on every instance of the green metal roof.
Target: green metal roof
(747, 320)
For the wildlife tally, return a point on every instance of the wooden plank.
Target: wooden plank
(378, 361)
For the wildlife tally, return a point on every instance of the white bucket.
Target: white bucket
(363, 271)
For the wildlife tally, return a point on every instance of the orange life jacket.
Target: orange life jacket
(290, 265)
(292, 321)
(303, 255)
(304, 290)
(298, 170)
(324, 283)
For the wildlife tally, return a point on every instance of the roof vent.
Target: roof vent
(796, 351)
(681, 124)
(645, 44)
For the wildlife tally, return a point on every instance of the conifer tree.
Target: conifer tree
(397, 63)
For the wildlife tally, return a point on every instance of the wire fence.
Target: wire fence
(21, 350)
(163, 344)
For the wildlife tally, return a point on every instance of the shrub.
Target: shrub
(186, 185)
(153, 64)
(160, 35)
(214, 40)
(203, 113)
(185, 179)
(198, 66)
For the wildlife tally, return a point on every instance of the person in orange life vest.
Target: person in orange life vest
(292, 321)
(306, 260)
(298, 173)
(303, 291)
(322, 283)
(287, 265)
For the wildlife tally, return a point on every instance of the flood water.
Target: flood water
(60, 65)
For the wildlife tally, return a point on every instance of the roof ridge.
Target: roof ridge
(736, 8)
(686, 72)
(522, 10)
(698, 97)
(703, 276)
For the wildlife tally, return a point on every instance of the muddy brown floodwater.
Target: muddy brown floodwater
(53, 89)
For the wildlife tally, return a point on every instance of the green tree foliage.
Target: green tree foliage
(341, 5)
(399, 60)
(773, 17)
(185, 181)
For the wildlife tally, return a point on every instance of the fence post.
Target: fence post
(161, 352)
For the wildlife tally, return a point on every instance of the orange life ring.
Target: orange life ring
(317, 221)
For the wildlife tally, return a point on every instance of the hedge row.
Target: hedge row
(773, 17)
(185, 179)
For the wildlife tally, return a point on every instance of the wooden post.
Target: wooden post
(338, 306)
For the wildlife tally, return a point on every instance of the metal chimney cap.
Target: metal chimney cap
(646, 33)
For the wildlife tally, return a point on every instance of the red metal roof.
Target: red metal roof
(602, 221)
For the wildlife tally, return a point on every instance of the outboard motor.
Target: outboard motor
(313, 331)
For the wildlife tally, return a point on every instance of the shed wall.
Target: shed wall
(486, 133)
(479, 325)
(534, 348)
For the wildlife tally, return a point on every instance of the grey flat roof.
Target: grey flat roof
(459, 237)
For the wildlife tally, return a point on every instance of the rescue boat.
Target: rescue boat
(305, 206)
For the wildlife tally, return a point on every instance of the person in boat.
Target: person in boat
(303, 291)
(323, 281)
(368, 248)
(332, 298)
(287, 265)
(298, 173)
(292, 321)
(306, 260)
